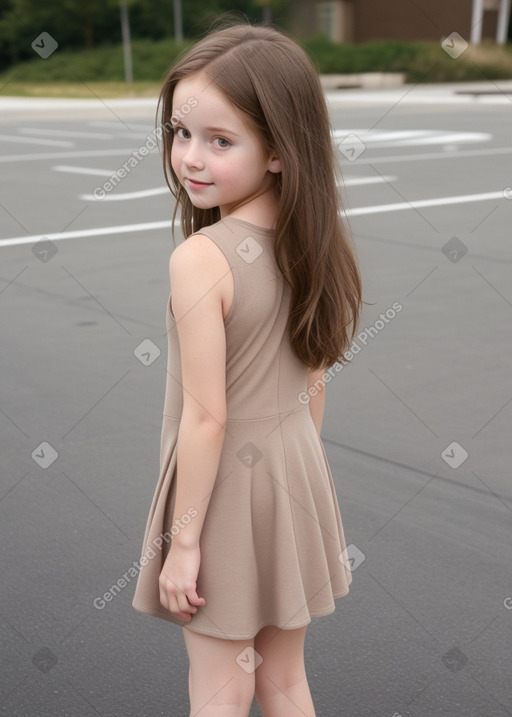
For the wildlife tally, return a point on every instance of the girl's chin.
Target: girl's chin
(198, 204)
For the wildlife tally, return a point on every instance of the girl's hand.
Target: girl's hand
(178, 581)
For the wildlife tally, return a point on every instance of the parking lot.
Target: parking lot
(416, 427)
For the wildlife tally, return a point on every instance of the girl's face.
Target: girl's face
(214, 154)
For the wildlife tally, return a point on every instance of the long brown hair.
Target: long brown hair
(270, 79)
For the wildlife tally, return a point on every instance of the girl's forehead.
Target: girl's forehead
(198, 85)
(210, 101)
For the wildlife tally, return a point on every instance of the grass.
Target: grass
(101, 71)
(81, 89)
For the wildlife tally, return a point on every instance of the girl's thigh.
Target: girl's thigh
(220, 669)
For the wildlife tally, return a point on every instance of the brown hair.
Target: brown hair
(270, 79)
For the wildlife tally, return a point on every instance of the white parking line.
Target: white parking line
(32, 140)
(84, 170)
(126, 152)
(126, 196)
(431, 155)
(143, 193)
(404, 138)
(136, 135)
(119, 126)
(64, 133)
(358, 181)
(417, 204)
(80, 233)
(149, 226)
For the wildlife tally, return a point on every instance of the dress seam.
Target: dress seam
(283, 448)
(257, 418)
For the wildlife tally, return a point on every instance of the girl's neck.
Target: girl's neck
(260, 210)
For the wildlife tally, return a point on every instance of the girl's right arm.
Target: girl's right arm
(196, 269)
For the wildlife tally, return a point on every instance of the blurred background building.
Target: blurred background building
(365, 20)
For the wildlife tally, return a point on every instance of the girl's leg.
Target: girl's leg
(281, 683)
(219, 686)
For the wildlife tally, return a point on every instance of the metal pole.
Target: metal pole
(178, 21)
(503, 18)
(267, 14)
(477, 22)
(127, 48)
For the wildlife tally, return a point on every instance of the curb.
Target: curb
(365, 80)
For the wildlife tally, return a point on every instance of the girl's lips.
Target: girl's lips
(197, 185)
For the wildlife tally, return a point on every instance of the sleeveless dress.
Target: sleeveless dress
(272, 546)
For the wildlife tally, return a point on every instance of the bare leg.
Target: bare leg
(281, 682)
(219, 686)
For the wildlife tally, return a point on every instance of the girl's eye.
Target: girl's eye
(223, 143)
(185, 133)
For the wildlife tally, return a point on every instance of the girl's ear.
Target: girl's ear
(274, 165)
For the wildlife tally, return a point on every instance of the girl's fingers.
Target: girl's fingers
(179, 611)
(184, 606)
(194, 599)
(179, 603)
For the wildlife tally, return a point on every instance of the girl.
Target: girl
(244, 542)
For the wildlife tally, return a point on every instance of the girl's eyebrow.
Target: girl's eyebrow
(222, 130)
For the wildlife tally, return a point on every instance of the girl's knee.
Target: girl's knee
(233, 698)
(271, 684)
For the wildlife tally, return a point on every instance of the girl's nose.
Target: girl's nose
(192, 157)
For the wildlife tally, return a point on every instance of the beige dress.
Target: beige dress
(272, 544)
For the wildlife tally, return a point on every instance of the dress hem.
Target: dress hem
(223, 635)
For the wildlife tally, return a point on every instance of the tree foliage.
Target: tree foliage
(84, 24)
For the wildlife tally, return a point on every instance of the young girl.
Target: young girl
(244, 543)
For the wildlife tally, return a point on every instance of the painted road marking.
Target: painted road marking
(417, 204)
(84, 170)
(405, 138)
(143, 193)
(358, 181)
(33, 140)
(119, 126)
(432, 155)
(64, 133)
(80, 233)
(127, 152)
(149, 226)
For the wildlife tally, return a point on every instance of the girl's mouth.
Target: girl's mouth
(194, 184)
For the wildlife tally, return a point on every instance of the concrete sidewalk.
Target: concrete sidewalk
(491, 92)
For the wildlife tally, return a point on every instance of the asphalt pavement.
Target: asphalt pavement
(416, 427)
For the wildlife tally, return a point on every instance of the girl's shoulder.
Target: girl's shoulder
(200, 250)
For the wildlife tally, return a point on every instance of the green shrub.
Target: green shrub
(420, 61)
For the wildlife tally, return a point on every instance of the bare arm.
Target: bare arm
(195, 270)
(317, 398)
